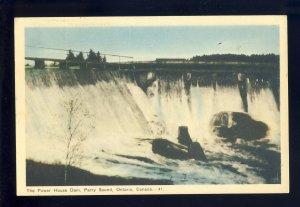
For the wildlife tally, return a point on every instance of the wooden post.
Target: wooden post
(62, 65)
(39, 64)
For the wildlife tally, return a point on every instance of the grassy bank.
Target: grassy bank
(42, 174)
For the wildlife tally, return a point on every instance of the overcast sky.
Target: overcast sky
(149, 43)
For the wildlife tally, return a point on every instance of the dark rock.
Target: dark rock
(187, 149)
(145, 80)
(184, 136)
(172, 150)
(196, 151)
(232, 125)
(169, 149)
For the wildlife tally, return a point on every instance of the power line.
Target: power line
(49, 48)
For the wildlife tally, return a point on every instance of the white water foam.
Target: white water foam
(125, 113)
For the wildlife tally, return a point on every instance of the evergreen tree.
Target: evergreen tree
(92, 57)
(104, 59)
(255, 58)
(98, 56)
(80, 57)
(70, 56)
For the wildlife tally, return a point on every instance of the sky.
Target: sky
(151, 42)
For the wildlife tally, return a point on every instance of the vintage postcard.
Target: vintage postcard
(151, 105)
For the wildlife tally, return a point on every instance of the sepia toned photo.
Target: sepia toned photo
(151, 105)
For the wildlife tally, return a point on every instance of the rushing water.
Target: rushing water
(130, 109)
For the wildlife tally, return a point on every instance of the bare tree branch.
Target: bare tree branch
(79, 125)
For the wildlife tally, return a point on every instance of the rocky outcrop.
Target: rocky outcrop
(233, 125)
(186, 149)
(195, 151)
(170, 149)
(184, 136)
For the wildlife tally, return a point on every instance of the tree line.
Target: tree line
(91, 57)
(255, 58)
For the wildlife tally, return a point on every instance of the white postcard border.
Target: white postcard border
(22, 23)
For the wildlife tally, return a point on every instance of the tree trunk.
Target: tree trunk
(66, 174)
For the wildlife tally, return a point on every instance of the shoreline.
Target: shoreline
(45, 174)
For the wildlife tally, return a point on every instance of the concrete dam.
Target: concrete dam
(135, 103)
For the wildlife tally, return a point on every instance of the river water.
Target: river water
(130, 109)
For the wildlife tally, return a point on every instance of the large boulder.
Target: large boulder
(169, 149)
(172, 150)
(186, 149)
(233, 125)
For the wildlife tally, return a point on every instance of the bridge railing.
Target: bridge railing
(39, 63)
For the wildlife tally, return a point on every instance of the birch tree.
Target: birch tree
(79, 123)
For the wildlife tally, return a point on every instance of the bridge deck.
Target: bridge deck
(186, 66)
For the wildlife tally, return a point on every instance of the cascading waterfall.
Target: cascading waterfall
(128, 115)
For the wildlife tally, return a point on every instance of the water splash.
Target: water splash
(127, 115)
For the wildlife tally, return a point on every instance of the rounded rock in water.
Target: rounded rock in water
(232, 125)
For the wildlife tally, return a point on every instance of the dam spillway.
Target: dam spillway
(132, 106)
